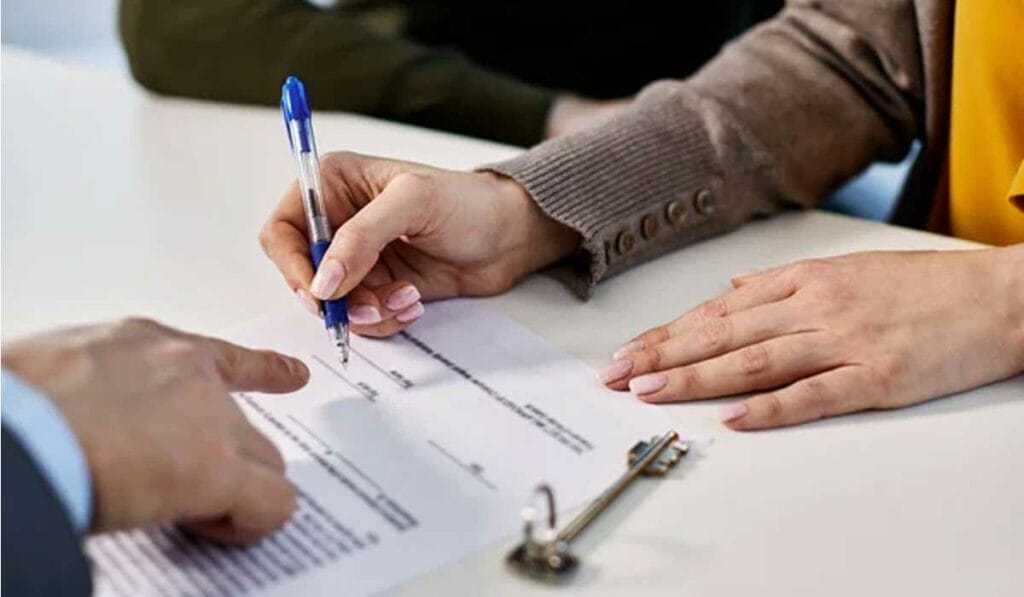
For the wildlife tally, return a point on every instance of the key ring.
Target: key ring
(543, 553)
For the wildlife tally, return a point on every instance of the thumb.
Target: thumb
(401, 209)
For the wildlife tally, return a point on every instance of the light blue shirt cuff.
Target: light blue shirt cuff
(35, 421)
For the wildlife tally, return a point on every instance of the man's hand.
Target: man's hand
(406, 233)
(163, 438)
(834, 336)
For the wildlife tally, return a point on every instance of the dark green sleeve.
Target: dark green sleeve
(242, 50)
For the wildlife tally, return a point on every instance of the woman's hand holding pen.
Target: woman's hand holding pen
(406, 233)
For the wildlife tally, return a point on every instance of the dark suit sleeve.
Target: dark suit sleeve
(42, 555)
(242, 50)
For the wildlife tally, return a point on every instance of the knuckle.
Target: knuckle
(188, 355)
(754, 360)
(655, 336)
(772, 407)
(265, 237)
(653, 358)
(715, 308)
(713, 334)
(688, 381)
(820, 400)
(891, 368)
(354, 233)
(883, 377)
(417, 183)
(138, 324)
(834, 292)
(333, 158)
(807, 269)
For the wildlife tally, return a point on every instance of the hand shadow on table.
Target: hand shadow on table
(629, 503)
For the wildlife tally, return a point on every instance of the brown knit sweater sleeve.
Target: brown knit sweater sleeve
(779, 118)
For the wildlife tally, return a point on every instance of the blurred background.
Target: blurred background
(84, 32)
(79, 31)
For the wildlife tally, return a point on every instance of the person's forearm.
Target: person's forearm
(781, 117)
(1011, 268)
(241, 51)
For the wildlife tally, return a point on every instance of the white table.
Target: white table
(116, 202)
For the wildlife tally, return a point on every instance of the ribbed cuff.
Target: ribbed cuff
(645, 182)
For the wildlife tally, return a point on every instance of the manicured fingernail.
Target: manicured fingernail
(627, 348)
(645, 384)
(615, 370)
(327, 278)
(307, 302)
(731, 412)
(402, 298)
(411, 313)
(363, 315)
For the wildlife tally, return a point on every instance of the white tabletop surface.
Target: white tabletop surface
(116, 202)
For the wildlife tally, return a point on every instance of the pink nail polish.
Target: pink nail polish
(307, 302)
(327, 278)
(627, 348)
(615, 370)
(363, 315)
(646, 384)
(731, 412)
(410, 314)
(402, 298)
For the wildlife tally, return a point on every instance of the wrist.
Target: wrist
(1010, 268)
(539, 239)
(1015, 258)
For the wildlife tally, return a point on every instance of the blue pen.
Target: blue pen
(298, 121)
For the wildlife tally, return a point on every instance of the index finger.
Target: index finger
(288, 248)
(284, 240)
(246, 369)
(712, 315)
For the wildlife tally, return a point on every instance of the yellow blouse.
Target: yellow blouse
(986, 144)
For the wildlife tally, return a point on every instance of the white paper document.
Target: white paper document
(423, 451)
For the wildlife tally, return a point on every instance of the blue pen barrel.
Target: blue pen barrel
(335, 311)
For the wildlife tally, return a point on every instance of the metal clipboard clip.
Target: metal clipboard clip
(544, 553)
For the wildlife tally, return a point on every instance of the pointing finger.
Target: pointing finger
(243, 369)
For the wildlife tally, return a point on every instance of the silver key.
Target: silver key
(544, 553)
